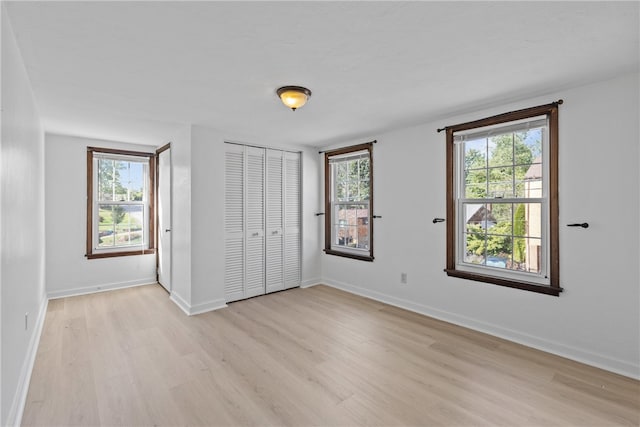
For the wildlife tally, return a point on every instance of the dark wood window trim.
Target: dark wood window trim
(327, 198)
(151, 208)
(551, 111)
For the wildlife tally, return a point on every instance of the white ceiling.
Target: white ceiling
(134, 71)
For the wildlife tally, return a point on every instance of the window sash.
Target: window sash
(336, 228)
(540, 277)
(144, 244)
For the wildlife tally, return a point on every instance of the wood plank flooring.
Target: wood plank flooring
(316, 356)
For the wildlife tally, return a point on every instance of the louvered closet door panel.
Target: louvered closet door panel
(234, 223)
(275, 276)
(255, 252)
(292, 229)
(274, 249)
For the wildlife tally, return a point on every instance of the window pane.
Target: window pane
(106, 227)
(532, 140)
(527, 220)
(341, 171)
(120, 180)
(501, 150)
(351, 182)
(475, 216)
(341, 191)
(353, 195)
(120, 225)
(476, 246)
(363, 228)
(533, 256)
(132, 180)
(364, 190)
(501, 182)
(499, 218)
(475, 154)
(352, 226)
(520, 216)
(476, 184)
(531, 185)
(364, 169)
(499, 249)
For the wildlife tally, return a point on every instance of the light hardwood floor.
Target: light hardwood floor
(314, 356)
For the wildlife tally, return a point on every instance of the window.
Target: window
(502, 209)
(349, 202)
(120, 201)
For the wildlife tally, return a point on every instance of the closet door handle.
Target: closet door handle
(274, 232)
(255, 234)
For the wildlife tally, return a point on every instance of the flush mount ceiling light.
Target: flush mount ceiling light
(294, 97)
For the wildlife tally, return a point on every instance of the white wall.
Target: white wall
(207, 216)
(68, 271)
(208, 212)
(22, 226)
(596, 318)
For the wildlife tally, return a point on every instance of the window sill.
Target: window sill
(526, 286)
(349, 255)
(119, 254)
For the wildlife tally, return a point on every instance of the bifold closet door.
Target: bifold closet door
(234, 283)
(275, 230)
(262, 221)
(292, 224)
(254, 207)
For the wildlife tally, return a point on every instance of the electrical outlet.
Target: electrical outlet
(403, 278)
(26, 321)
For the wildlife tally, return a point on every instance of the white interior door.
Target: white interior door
(164, 219)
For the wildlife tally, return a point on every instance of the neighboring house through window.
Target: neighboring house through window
(502, 191)
(120, 203)
(349, 201)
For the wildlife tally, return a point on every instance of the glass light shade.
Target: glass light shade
(294, 97)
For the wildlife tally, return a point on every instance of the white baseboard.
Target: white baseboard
(20, 398)
(204, 307)
(311, 282)
(100, 288)
(207, 306)
(180, 302)
(579, 355)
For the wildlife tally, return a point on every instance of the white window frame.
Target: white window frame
(541, 277)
